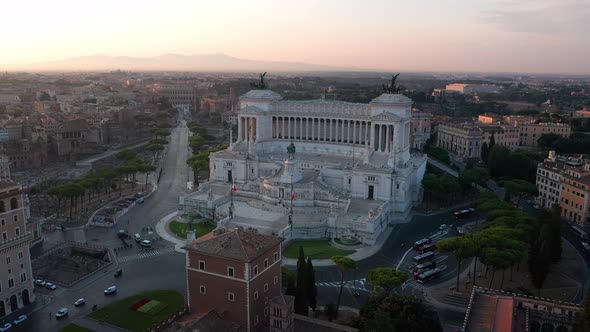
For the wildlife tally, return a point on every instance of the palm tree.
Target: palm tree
(344, 264)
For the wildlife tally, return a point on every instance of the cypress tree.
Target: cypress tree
(301, 302)
(312, 290)
(485, 152)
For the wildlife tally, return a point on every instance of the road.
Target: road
(392, 254)
(143, 270)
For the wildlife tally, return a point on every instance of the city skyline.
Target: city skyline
(478, 36)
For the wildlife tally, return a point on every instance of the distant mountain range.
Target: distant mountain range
(175, 62)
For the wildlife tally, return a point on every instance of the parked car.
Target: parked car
(137, 237)
(79, 302)
(146, 243)
(61, 313)
(110, 290)
(443, 227)
(122, 234)
(40, 282)
(50, 286)
(5, 327)
(20, 319)
(118, 273)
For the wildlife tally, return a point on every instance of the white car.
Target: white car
(79, 302)
(110, 290)
(40, 282)
(61, 313)
(443, 227)
(50, 286)
(146, 243)
(20, 319)
(5, 327)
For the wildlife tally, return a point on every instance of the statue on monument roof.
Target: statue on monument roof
(391, 88)
(259, 85)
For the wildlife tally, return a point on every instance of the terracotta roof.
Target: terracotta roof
(233, 243)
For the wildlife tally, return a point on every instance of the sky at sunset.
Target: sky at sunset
(440, 35)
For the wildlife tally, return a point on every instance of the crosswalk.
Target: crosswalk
(359, 284)
(145, 254)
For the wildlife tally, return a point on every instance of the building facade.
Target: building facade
(16, 277)
(530, 133)
(462, 140)
(504, 135)
(420, 128)
(236, 273)
(575, 195)
(352, 166)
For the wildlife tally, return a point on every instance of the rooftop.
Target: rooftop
(234, 243)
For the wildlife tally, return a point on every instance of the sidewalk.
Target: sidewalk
(360, 254)
(162, 231)
(95, 325)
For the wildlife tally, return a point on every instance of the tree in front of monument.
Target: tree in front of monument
(386, 278)
(301, 304)
(344, 265)
(393, 312)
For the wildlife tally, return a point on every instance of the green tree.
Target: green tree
(344, 264)
(158, 140)
(475, 175)
(198, 162)
(310, 286)
(393, 312)
(386, 278)
(126, 155)
(301, 302)
(520, 188)
(485, 152)
(196, 142)
(155, 149)
(461, 247)
(147, 169)
(289, 280)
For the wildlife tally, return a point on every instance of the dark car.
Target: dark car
(118, 273)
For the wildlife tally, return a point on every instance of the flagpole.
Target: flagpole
(291, 209)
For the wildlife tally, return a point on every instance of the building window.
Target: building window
(17, 231)
(256, 320)
(23, 277)
(349, 180)
(276, 280)
(276, 256)
(13, 203)
(16, 218)
(230, 271)
(20, 254)
(4, 236)
(256, 270)
(266, 287)
(3, 222)
(371, 179)
(266, 263)
(7, 259)
(202, 289)
(256, 295)
(265, 311)
(231, 297)
(10, 283)
(278, 312)
(278, 323)
(201, 265)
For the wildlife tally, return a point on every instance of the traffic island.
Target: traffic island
(142, 312)
(314, 249)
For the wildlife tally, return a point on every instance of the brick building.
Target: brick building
(235, 273)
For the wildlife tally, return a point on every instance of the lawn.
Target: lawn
(315, 249)
(75, 328)
(119, 314)
(179, 229)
